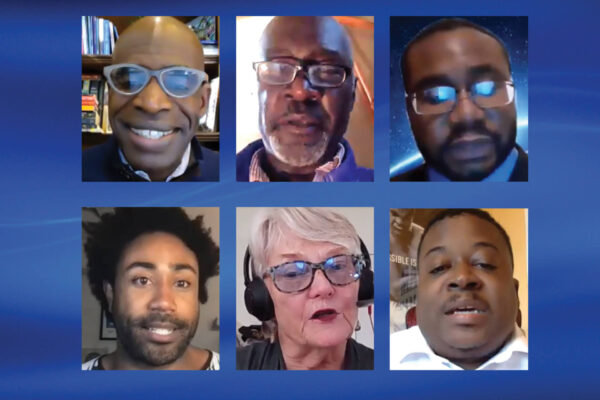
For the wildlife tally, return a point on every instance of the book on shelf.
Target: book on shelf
(94, 104)
(208, 122)
(98, 36)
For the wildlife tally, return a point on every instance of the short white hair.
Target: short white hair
(309, 223)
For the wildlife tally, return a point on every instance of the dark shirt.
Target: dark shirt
(519, 174)
(103, 164)
(265, 355)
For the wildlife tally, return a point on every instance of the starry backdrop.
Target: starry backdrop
(404, 154)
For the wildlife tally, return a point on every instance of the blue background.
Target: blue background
(42, 195)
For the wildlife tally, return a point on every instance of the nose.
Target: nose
(464, 277)
(465, 109)
(321, 287)
(300, 89)
(152, 99)
(163, 299)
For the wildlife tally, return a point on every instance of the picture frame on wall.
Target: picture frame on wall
(107, 327)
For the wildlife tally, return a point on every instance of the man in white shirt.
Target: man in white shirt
(467, 301)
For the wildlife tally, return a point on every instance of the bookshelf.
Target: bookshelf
(94, 65)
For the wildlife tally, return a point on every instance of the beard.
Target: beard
(309, 155)
(130, 334)
(435, 158)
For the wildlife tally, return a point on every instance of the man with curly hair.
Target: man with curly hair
(148, 267)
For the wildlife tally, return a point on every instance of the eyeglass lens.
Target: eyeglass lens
(277, 73)
(298, 275)
(179, 82)
(441, 99)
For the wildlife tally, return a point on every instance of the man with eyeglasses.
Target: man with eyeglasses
(306, 272)
(460, 100)
(158, 90)
(306, 92)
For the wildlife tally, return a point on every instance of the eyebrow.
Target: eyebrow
(478, 244)
(151, 266)
(486, 69)
(486, 244)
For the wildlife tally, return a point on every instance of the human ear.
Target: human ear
(108, 293)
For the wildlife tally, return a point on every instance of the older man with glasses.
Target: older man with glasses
(158, 91)
(306, 92)
(460, 100)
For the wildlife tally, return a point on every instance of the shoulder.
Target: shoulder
(93, 364)
(214, 361)
(96, 162)
(208, 160)
(348, 171)
(521, 171)
(418, 174)
(259, 355)
(404, 343)
(359, 356)
(243, 159)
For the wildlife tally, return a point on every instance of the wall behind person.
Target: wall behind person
(206, 336)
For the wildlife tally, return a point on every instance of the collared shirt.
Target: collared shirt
(409, 351)
(180, 170)
(500, 174)
(257, 174)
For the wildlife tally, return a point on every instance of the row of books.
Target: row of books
(98, 36)
(94, 104)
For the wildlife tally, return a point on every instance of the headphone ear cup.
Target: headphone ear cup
(366, 289)
(258, 300)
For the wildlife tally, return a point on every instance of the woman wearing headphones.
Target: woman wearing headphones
(306, 270)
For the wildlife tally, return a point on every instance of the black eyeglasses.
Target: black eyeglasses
(130, 79)
(442, 99)
(283, 73)
(296, 276)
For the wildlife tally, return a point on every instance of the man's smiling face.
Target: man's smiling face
(154, 129)
(154, 300)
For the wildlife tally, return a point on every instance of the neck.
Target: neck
(305, 357)
(192, 359)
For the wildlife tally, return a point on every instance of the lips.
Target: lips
(470, 146)
(151, 134)
(467, 312)
(301, 124)
(324, 315)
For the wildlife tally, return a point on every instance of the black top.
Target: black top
(102, 163)
(265, 355)
(519, 174)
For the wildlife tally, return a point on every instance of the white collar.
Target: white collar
(410, 350)
(500, 174)
(180, 170)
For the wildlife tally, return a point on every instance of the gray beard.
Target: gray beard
(311, 155)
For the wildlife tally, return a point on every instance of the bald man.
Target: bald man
(306, 90)
(158, 91)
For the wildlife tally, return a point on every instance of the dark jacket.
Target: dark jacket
(102, 164)
(265, 355)
(520, 172)
(347, 171)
